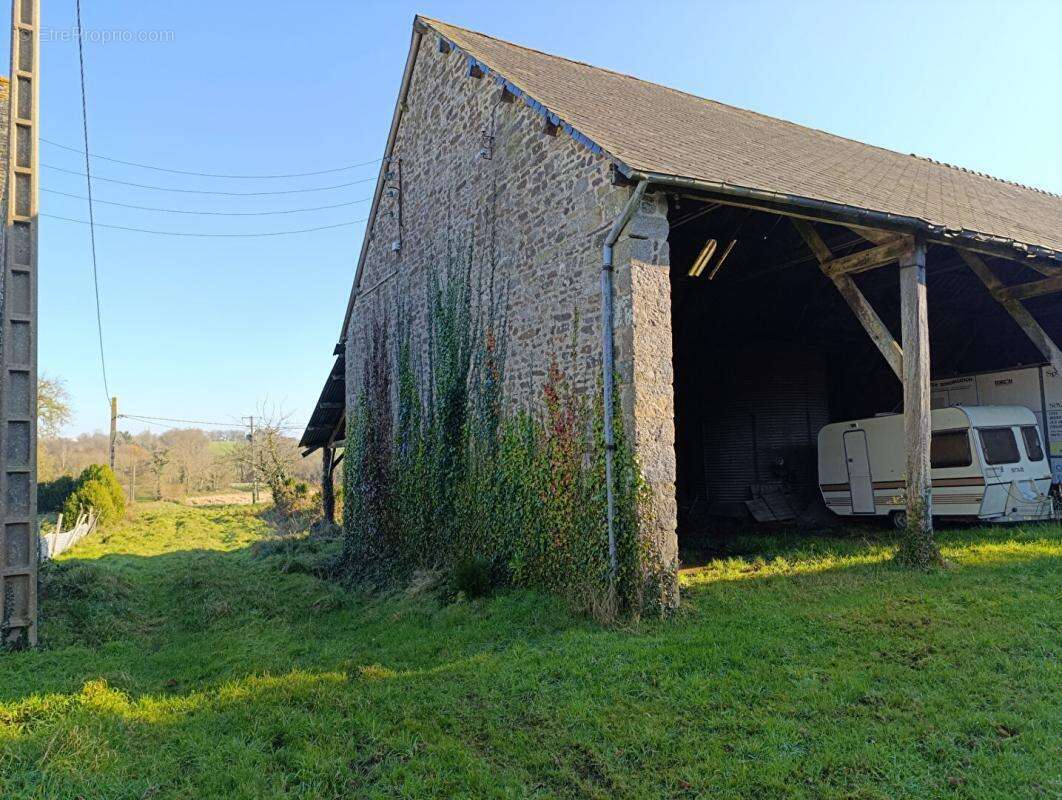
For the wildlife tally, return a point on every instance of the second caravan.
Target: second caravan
(988, 462)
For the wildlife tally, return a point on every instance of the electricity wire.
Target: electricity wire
(215, 174)
(195, 234)
(229, 425)
(88, 181)
(207, 191)
(211, 213)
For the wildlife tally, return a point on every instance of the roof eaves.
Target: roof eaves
(856, 215)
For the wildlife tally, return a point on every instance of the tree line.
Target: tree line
(170, 463)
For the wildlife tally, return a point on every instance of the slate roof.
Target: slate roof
(653, 129)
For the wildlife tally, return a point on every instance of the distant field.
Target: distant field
(176, 665)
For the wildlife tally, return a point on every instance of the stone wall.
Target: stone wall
(475, 171)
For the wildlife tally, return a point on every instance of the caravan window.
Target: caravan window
(999, 445)
(1032, 442)
(950, 449)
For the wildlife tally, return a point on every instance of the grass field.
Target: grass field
(176, 665)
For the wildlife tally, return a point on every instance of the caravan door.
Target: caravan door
(859, 482)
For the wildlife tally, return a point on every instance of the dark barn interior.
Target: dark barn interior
(766, 352)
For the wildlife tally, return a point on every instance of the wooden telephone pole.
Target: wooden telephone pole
(19, 548)
(114, 429)
(254, 465)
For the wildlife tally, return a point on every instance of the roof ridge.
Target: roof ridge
(431, 22)
(969, 171)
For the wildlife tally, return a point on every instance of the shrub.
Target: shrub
(51, 495)
(97, 488)
(472, 577)
(291, 496)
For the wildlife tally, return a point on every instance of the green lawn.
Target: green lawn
(177, 666)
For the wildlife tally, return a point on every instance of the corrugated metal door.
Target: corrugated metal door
(859, 481)
(763, 408)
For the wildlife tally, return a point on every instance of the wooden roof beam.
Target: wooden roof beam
(864, 312)
(872, 235)
(1023, 291)
(1019, 313)
(872, 258)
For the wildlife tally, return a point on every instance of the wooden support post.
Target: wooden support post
(113, 445)
(328, 496)
(919, 547)
(1044, 343)
(864, 312)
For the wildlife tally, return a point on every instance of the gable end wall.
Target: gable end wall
(538, 208)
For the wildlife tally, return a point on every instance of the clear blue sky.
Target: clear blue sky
(208, 328)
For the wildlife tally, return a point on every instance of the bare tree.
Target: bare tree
(53, 413)
(189, 450)
(271, 455)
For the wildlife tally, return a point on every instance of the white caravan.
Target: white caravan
(1038, 388)
(988, 462)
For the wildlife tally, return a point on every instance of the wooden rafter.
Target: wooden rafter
(872, 258)
(1023, 291)
(859, 304)
(872, 235)
(1012, 303)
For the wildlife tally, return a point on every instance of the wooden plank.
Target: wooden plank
(814, 241)
(868, 318)
(869, 259)
(872, 235)
(1023, 291)
(1020, 314)
(916, 397)
(871, 322)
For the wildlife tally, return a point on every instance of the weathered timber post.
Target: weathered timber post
(113, 444)
(918, 547)
(328, 494)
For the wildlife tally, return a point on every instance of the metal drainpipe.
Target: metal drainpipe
(607, 359)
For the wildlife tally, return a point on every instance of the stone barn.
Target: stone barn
(747, 280)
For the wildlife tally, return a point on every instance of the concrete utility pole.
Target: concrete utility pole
(114, 429)
(19, 548)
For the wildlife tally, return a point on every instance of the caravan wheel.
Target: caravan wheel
(899, 520)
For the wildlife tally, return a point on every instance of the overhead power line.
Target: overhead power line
(208, 191)
(145, 418)
(216, 174)
(206, 235)
(211, 213)
(88, 181)
(233, 425)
